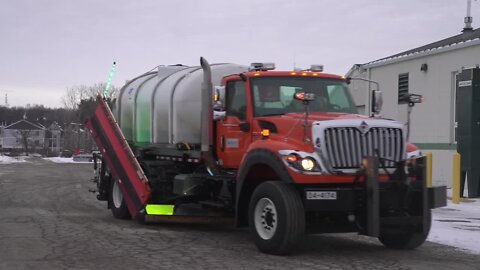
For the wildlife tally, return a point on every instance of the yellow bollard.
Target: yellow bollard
(429, 169)
(456, 179)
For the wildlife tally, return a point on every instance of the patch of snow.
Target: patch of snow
(457, 225)
(64, 160)
(9, 160)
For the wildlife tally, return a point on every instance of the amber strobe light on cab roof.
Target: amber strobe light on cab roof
(262, 66)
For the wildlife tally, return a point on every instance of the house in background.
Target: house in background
(53, 139)
(23, 134)
(77, 138)
(430, 70)
(1, 135)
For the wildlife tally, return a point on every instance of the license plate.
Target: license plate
(321, 195)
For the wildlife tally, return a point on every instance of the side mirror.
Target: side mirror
(219, 115)
(219, 98)
(377, 102)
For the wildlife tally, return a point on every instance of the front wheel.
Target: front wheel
(407, 238)
(117, 203)
(276, 217)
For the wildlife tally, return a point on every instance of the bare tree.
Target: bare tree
(24, 136)
(74, 95)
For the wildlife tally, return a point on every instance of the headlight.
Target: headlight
(308, 164)
(302, 163)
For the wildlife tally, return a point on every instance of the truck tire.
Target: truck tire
(405, 238)
(116, 202)
(276, 217)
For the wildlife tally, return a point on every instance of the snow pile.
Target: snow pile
(9, 160)
(64, 160)
(457, 225)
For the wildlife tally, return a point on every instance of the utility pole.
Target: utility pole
(6, 97)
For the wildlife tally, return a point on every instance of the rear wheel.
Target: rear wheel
(276, 217)
(407, 238)
(117, 203)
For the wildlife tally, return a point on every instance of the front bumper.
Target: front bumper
(352, 198)
(405, 197)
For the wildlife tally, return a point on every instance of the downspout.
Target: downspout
(369, 94)
(206, 118)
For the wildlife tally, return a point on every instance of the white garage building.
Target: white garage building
(428, 70)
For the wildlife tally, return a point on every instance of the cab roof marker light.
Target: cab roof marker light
(315, 74)
(256, 74)
(304, 74)
(293, 73)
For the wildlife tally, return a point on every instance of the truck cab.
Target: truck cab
(264, 106)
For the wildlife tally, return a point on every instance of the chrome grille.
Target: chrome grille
(346, 146)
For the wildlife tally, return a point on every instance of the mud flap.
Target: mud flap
(421, 176)
(119, 158)
(373, 198)
(432, 197)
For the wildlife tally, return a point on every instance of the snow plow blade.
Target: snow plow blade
(119, 158)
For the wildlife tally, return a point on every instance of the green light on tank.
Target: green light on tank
(110, 77)
(160, 209)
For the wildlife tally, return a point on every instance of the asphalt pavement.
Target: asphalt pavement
(49, 220)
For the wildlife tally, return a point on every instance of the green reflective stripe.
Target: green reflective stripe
(436, 146)
(159, 209)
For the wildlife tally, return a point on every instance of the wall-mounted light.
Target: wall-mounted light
(424, 67)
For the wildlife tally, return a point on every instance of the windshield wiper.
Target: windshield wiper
(273, 114)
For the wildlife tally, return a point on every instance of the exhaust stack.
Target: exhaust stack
(468, 19)
(206, 117)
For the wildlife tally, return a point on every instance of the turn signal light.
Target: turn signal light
(292, 158)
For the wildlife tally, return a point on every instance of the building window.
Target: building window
(403, 88)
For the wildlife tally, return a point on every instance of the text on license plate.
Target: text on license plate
(321, 195)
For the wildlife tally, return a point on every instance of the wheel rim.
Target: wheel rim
(265, 217)
(117, 195)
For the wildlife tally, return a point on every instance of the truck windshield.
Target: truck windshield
(274, 95)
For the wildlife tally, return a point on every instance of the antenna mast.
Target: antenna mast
(110, 76)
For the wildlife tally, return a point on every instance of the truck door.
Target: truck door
(233, 132)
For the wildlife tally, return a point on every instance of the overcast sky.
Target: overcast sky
(47, 46)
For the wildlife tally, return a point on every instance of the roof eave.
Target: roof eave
(415, 55)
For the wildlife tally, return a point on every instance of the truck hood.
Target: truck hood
(290, 119)
(291, 124)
